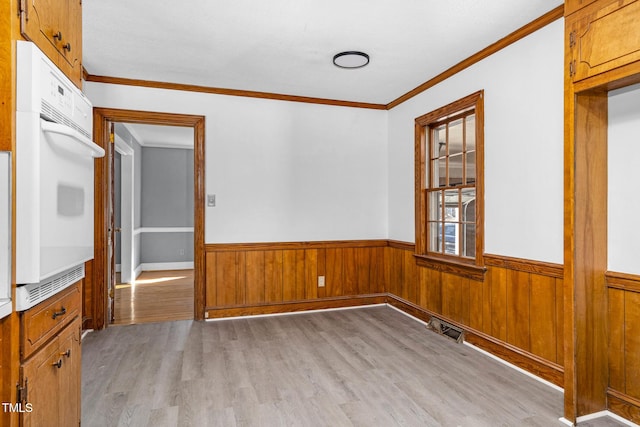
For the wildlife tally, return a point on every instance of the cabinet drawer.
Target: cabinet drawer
(46, 319)
(603, 39)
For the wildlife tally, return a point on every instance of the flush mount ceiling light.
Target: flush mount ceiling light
(351, 59)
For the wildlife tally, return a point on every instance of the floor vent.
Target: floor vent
(446, 329)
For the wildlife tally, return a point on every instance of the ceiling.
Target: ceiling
(286, 46)
(161, 136)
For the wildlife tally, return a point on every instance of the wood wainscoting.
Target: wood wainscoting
(623, 394)
(264, 278)
(516, 312)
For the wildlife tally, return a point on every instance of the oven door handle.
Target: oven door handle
(56, 128)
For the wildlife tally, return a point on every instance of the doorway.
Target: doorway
(100, 280)
(153, 222)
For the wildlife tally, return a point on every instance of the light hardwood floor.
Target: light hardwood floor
(370, 366)
(155, 296)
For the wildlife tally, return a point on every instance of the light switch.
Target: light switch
(211, 200)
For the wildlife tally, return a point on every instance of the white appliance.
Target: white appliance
(54, 178)
(5, 234)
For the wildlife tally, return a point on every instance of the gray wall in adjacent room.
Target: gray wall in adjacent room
(126, 136)
(167, 201)
(166, 247)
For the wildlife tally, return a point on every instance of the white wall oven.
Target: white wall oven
(54, 179)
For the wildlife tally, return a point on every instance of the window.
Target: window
(449, 184)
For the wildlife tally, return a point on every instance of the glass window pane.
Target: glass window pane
(435, 205)
(435, 174)
(470, 172)
(455, 137)
(469, 240)
(451, 204)
(441, 180)
(435, 238)
(451, 245)
(468, 196)
(455, 170)
(470, 133)
(439, 142)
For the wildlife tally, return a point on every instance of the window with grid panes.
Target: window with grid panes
(449, 203)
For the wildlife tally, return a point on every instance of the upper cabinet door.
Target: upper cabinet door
(55, 26)
(602, 39)
(571, 6)
(71, 53)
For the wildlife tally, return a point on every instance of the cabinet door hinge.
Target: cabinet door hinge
(22, 391)
(572, 68)
(572, 39)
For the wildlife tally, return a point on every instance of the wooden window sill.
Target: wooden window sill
(471, 271)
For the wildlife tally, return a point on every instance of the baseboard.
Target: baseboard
(295, 306)
(118, 268)
(137, 272)
(624, 405)
(157, 266)
(542, 368)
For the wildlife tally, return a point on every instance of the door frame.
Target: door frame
(95, 296)
(126, 203)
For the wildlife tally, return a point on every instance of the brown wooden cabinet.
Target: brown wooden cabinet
(602, 38)
(602, 53)
(55, 26)
(571, 6)
(51, 361)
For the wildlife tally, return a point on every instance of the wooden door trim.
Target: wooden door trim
(101, 116)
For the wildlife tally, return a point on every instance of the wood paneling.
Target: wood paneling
(632, 344)
(295, 306)
(616, 339)
(528, 266)
(600, 38)
(254, 276)
(498, 302)
(586, 257)
(602, 53)
(545, 369)
(544, 319)
(519, 304)
(624, 405)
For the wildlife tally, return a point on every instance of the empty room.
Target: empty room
(320, 213)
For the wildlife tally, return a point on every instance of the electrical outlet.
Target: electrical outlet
(321, 281)
(211, 200)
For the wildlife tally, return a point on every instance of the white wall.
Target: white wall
(281, 171)
(623, 158)
(523, 87)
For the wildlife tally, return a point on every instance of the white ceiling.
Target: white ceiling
(287, 46)
(161, 136)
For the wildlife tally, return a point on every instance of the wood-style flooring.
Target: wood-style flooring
(155, 296)
(370, 366)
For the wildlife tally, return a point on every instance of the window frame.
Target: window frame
(457, 264)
